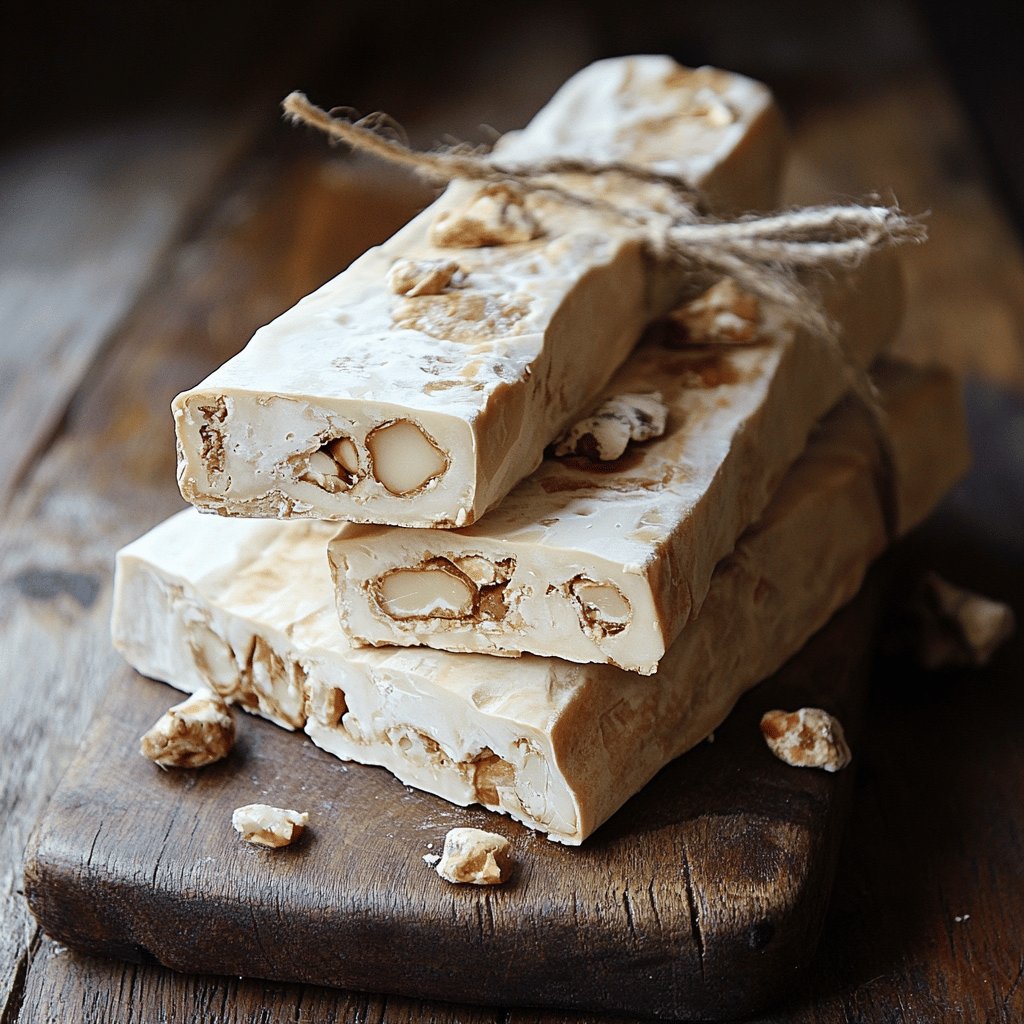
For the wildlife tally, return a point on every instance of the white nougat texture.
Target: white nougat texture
(246, 608)
(445, 401)
(607, 562)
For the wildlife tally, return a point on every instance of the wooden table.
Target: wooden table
(135, 257)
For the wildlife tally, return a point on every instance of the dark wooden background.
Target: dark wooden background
(153, 212)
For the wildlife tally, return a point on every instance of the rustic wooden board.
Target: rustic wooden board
(703, 897)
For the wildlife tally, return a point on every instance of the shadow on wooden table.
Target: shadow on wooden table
(929, 887)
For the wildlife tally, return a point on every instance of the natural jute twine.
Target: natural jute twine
(774, 256)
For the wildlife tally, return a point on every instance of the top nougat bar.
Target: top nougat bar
(365, 404)
(608, 561)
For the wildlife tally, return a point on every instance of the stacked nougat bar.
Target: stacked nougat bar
(547, 658)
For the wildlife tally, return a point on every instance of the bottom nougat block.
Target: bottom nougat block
(247, 608)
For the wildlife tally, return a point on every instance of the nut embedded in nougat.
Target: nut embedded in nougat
(491, 774)
(211, 434)
(344, 452)
(322, 470)
(421, 277)
(334, 466)
(194, 733)
(496, 215)
(722, 315)
(457, 588)
(404, 458)
(602, 607)
(434, 590)
(326, 705)
(472, 856)
(622, 419)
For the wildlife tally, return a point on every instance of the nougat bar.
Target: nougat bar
(246, 607)
(606, 561)
(421, 384)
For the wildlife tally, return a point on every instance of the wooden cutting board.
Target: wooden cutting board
(703, 897)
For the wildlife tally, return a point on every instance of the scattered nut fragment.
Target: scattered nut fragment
(722, 315)
(263, 825)
(475, 857)
(421, 277)
(605, 435)
(808, 738)
(957, 628)
(496, 215)
(196, 732)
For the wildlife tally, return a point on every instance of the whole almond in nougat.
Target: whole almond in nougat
(421, 384)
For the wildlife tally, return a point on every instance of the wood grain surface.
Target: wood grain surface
(702, 898)
(88, 219)
(937, 826)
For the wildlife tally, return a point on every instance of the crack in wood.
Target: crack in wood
(691, 899)
(1014, 986)
(654, 902)
(46, 435)
(92, 845)
(628, 904)
(489, 912)
(11, 1010)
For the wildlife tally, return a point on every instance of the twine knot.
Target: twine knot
(775, 256)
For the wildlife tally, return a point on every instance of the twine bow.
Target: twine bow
(774, 256)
